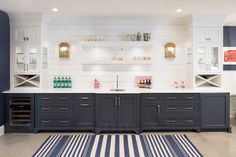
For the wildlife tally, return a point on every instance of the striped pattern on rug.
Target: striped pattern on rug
(117, 146)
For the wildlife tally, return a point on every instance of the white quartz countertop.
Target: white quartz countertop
(107, 91)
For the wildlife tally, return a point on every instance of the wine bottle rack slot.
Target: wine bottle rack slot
(20, 111)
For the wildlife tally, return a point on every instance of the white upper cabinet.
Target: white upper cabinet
(208, 34)
(208, 50)
(26, 58)
(27, 35)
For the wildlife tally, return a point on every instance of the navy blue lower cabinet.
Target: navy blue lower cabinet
(117, 112)
(54, 111)
(84, 112)
(150, 111)
(19, 112)
(215, 112)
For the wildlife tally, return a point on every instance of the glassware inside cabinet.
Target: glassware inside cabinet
(214, 58)
(33, 56)
(20, 66)
(202, 58)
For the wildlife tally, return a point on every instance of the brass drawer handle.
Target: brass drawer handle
(63, 108)
(171, 108)
(189, 120)
(64, 98)
(45, 98)
(84, 98)
(46, 121)
(150, 98)
(45, 108)
(170, 121)
(188, 108)
(63, 121)
(84, 105)
(158, 108)
(189, 97)
(171, 97)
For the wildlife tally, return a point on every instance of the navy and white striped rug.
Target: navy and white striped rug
(117, 146)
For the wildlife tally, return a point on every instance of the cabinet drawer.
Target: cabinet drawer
(54, 98)
(63, 109)
(179, 121)
(179, 109)
(55, 122)
(180, 97)
(150, 98)
(83, 98)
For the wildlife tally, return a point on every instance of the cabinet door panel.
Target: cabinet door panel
(201, 34)
(150, 114)
(19, 35)
(214, 34)
(107, 111)
(127, 111)
(33, 34)
(84, 114)
(214, 110)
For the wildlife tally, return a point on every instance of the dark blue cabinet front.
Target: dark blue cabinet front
(4, 59)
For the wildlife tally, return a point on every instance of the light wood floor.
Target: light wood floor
(210, 144)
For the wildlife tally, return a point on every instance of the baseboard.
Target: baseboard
(1, 130)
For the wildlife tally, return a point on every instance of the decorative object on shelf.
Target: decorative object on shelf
(96, 84)
(170, 51)
(139, 36)
(146, 36)
(64, 50)
(62, 82)
(142, 58)
(180, 84)
(91, 38)
(144, 82)
(132, 37)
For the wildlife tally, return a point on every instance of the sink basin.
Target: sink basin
(117, 89)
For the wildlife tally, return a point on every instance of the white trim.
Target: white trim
(1, 130)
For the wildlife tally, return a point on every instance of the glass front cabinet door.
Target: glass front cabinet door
(26, 59)
(208, 58)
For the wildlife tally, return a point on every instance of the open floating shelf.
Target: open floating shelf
(111, 44)
(26, 80)
(118, 63)
(208, 80)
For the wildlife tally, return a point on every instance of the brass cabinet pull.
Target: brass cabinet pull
(171, 97)
(84, 98)
(115, 101)
(63, 121)
(189, 120)
(150, 98)
(171, 108)
(45, 98)
(170, 121)
(46, 121)
(45, 108)
(158, 108)
(64, 108)
(188, 108)
(189, 97)
(84, 105)
(64, 98)
(119, 101)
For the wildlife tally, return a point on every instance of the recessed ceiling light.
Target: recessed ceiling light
(54, 9)
(179, 10)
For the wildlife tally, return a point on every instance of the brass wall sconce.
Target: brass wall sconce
(64, 50)
(170, 51)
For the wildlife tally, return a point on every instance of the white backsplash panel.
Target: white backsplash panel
(164, 72)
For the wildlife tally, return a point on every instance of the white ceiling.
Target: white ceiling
(119, 7)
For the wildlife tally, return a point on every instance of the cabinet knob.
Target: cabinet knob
(46, 121)
(45, 108)
(171, 108)
(170, 121)
(189, 121)
(45, 98)
(84, 105)
(188, 108)
(171, 97)
(24, 38)
(84, 98)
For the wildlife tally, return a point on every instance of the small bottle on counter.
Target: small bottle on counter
(58, 82)
(66, 82)
(69, 83)
(62, 82)
(55, 82)
(96, 84)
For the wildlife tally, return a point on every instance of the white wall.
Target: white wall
(164, 72)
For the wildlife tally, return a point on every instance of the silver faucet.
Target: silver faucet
(117, 81)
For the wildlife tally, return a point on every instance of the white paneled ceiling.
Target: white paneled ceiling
(121, 7)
